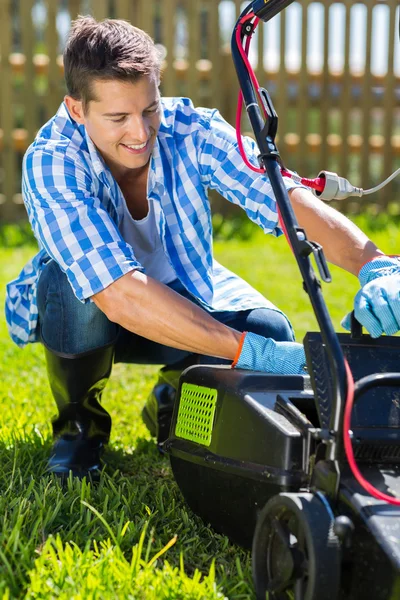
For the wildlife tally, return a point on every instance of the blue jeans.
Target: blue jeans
(69, 327)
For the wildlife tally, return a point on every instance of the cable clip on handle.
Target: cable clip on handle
(306, 247)
(270, 128)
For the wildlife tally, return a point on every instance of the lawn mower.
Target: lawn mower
(303, 469)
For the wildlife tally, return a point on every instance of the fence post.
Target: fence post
(325, 100)
(389, 104)
(215, 53)
(6, 113)
(100, 9)
(366, 102)
(74, 8)
(302, 122)
(282, 93)
(28, 41)
(168, 34)
(53, 96)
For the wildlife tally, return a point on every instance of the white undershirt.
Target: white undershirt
(145, 240)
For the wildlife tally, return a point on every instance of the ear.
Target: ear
(75, 109)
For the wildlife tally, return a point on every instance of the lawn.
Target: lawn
(132, 536)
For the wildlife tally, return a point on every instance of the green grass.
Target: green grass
(132, 536)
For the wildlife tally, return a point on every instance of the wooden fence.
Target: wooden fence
(344, 118)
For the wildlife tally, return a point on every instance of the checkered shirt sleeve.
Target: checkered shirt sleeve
(222, 168)
(71, 224)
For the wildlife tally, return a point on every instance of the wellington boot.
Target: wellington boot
(157, 412)
(82, 427)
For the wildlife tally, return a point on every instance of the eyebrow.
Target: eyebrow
(123, 114)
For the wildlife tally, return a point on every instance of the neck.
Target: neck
(130, 174)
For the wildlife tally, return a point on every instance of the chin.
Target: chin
(138, 162)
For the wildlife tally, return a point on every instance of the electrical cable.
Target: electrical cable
(348, 446)
(344, 189)
(381, 185)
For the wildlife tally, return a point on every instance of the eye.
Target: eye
(118, 120)
(151, 111)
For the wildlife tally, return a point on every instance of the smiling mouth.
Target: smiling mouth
(137, 148)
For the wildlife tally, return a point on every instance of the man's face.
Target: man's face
(122, 121)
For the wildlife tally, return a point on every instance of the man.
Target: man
(115, 187)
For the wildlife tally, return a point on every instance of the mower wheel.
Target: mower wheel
(296, 554)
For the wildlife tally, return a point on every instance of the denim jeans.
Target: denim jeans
(69, 327)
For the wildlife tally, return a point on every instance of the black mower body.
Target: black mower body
(371, 559)
(255, 450)
(261, 442)
(251, 450)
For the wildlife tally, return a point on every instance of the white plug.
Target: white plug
(336, 188)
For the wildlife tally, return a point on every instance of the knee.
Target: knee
(66, 324)
(270, 323)
(53, 283)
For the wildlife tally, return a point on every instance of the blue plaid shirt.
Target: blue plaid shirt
(75, 205)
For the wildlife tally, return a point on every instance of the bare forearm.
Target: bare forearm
(150, 309)
(344, 243)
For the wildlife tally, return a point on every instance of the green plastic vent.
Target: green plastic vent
(196, 413)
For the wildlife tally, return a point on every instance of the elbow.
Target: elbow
(116, 300)
(106, 302)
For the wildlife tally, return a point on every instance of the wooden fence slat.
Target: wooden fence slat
(6, 112)
(215, 55)
(303, 87)
(282, 94)
(53, 94)
(74, 7)
(124, 10)
(28, 42)
(325, 95)
(345, 100)
(345, 103)
(260, 54)
(366, 100)
(238, 4)
(135, 12)
(389, 104)
(100, 9)
(146, 16)
(169, 28)
(193, 13)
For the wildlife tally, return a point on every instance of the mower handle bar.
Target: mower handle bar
(270, 159)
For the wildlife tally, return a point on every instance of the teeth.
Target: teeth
(136, 147)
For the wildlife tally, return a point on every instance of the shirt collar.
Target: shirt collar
(99, 166)
(156, 173)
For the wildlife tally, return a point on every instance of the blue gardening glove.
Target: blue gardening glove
(377, 304)
(264, 354)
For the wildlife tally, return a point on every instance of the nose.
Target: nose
(139, 129)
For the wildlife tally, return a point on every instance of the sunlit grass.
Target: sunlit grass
(132, 536)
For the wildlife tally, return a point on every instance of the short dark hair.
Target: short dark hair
(106, 50)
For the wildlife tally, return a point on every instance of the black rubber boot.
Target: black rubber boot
(82, 427)
(157, 412)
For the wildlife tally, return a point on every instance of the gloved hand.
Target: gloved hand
(265, 354)
(377, 304)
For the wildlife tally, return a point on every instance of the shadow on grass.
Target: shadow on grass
(28, 457)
